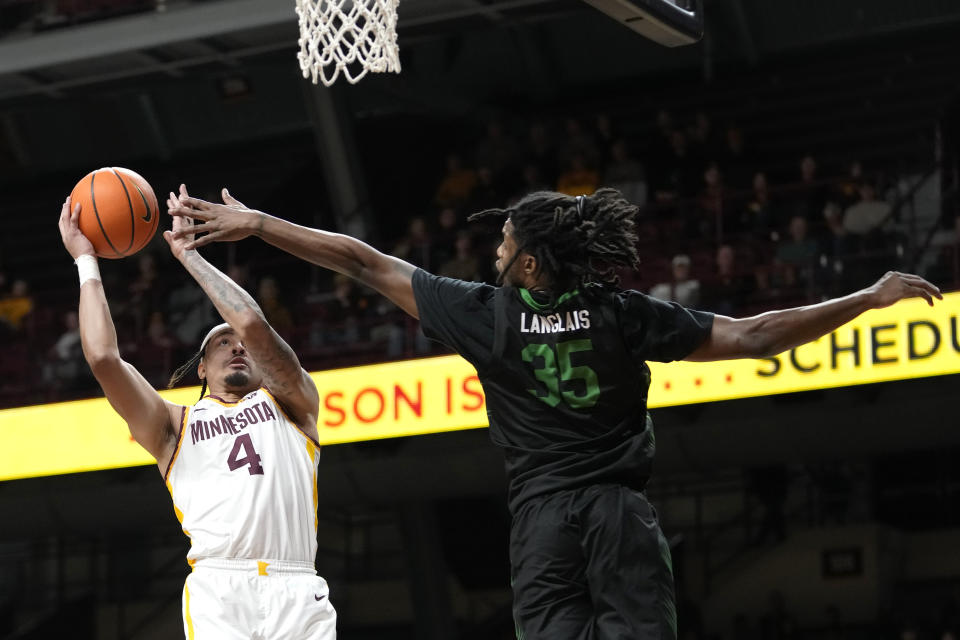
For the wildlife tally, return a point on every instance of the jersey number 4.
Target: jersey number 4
(250, 456)
(545, 368)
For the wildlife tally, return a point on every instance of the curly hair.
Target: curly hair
(576, 240)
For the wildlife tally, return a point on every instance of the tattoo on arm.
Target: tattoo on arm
(226, 295)
(276, 360)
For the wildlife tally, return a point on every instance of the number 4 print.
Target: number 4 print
(250, 458)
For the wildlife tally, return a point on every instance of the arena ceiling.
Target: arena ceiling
(188, 35)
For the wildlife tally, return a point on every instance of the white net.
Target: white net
(349, 37)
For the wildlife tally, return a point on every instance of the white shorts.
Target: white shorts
(231, 599)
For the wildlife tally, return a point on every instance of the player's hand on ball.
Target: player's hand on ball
(225, 222)
(895, 286)
(75, 242)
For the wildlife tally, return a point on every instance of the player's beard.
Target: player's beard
(237, 379)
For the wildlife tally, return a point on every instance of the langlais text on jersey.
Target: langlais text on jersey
(555, 322)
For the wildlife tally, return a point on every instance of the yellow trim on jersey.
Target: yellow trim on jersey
(176, 451)
(186, 611)
(284, 414)
(166, 478)
(176, 510)
(262, 568)
(311, 452)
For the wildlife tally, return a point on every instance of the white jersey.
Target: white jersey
(243, 479)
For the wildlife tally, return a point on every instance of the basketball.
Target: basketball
(118, 211)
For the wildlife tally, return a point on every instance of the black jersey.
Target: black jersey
(565, 385)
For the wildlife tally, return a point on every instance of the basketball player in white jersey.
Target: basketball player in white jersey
(240, 464)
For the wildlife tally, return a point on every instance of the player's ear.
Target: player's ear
(201, 370)
(529, 264)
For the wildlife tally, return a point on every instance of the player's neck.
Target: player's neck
(229, 396)
(534, 282)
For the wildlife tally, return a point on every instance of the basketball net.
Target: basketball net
(351, 37)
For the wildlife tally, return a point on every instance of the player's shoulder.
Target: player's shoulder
(451, 288)
(639, 304)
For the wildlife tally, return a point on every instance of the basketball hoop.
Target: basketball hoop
(352, 37)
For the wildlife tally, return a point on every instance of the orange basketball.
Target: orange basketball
(118, 211)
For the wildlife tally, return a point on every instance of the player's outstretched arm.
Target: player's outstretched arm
(153, 421)
(777, 331)
(281, 369)
(389, 276)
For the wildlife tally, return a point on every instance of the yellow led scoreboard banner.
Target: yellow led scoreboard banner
(432, 395)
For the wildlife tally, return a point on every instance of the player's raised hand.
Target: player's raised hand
(180, 237)
(895, 286)
(75, 242)
(225, 222)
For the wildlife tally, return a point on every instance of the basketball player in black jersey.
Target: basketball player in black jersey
(562, 353)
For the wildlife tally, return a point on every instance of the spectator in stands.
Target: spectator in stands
(810, 194)
(464, 265)
(729, 288)
(840, 244)
(416, 247)
(796, 257)
(681, 288)
(702, 138)
(457, 184)
(190, 313)
(679, 171)
(240, 273)
(487, 193)
(841, 248)
(738, 166)
(340, 321)
(153, 355)
(711, 202)
(497, 151)
(760, 216)
(444, 237)
(868, 215)
(274, 310)
(65, 368)
(625, 174)
(847, 188)
(147, 293)
(15, 307)
(578, 179)
(662, 139)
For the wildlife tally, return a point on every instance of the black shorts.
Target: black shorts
(591, 564)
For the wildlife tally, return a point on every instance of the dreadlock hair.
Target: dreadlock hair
(576, 240)
(184, 369)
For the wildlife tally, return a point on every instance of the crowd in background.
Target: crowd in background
(720, 229)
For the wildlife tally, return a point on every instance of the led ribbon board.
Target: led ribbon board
(432, 395)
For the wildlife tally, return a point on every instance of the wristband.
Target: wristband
(87, 268)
